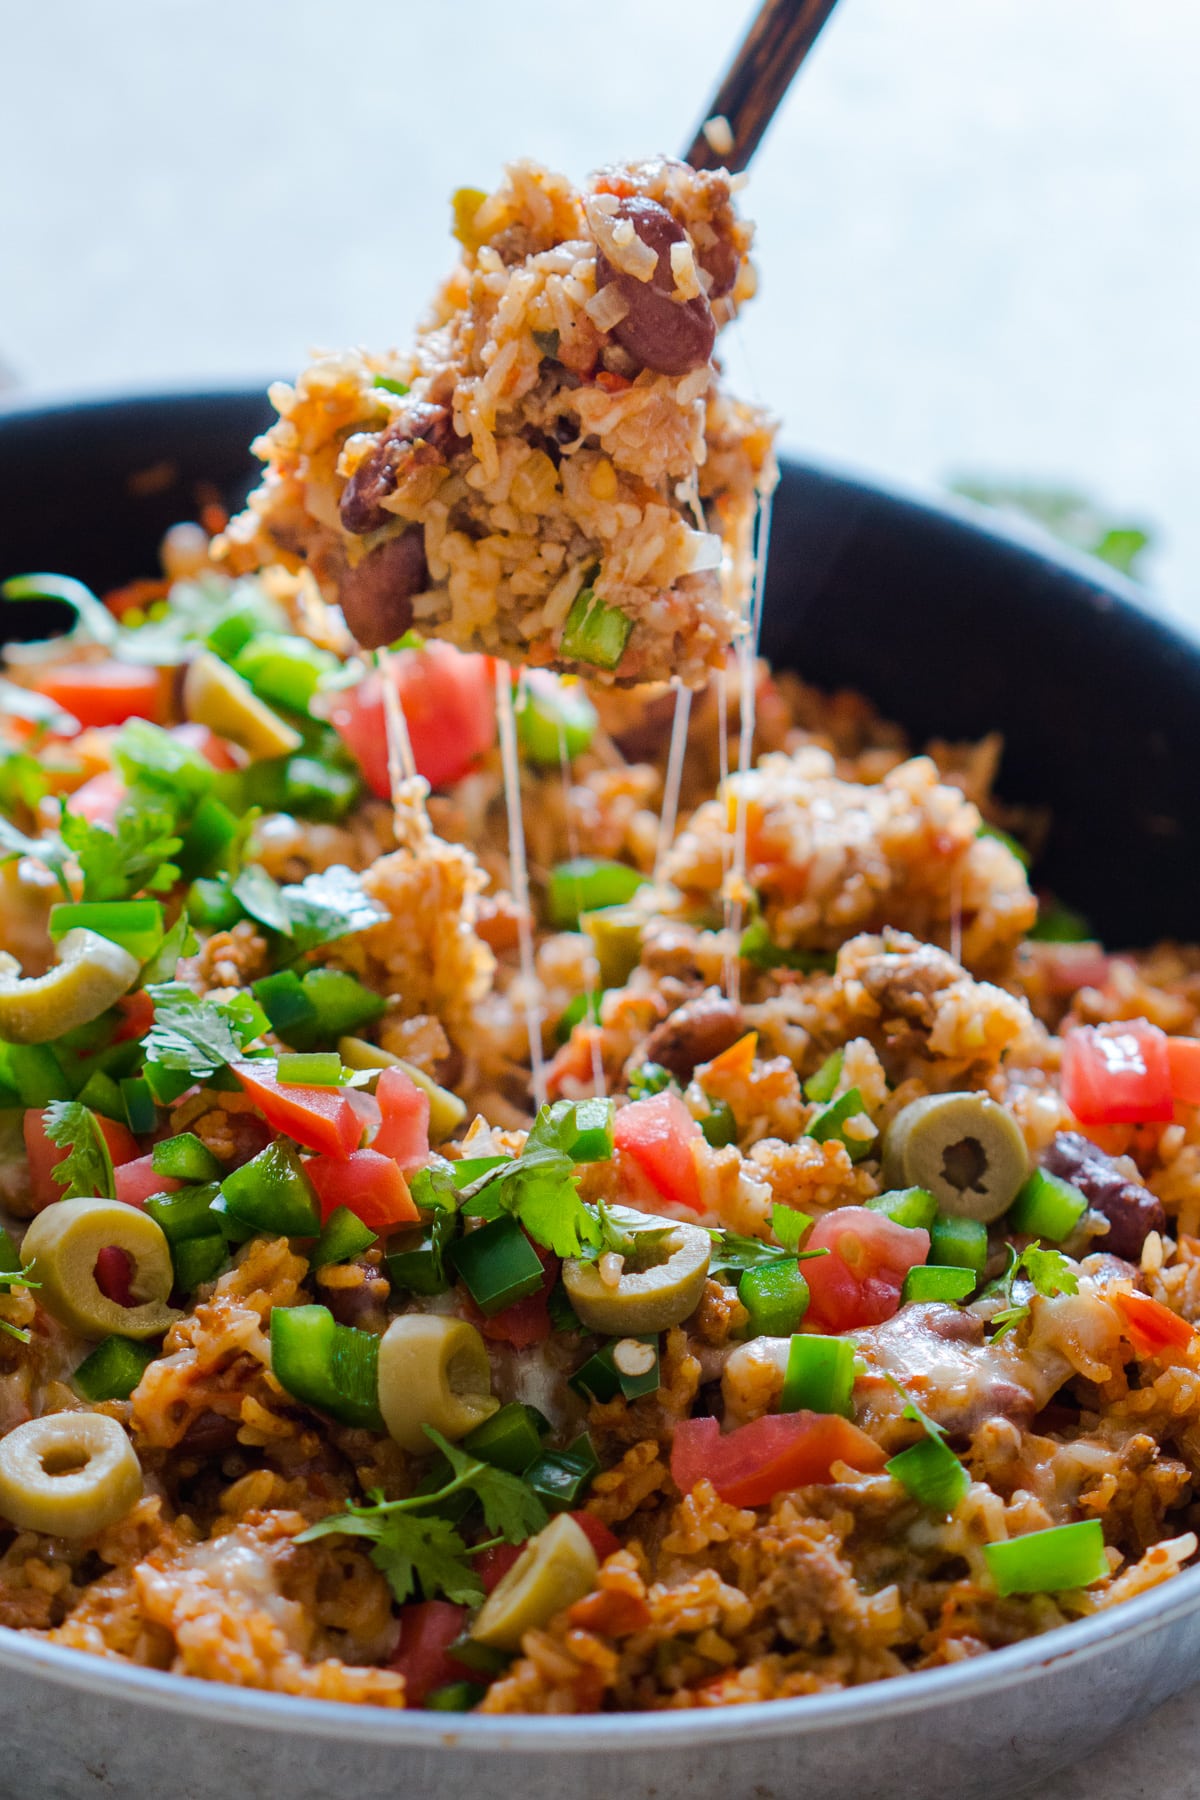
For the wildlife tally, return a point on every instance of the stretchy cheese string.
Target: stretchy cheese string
(747, 655)
(669, 811)
(519, 876)
(592, 985)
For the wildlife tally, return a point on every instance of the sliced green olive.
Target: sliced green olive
(555, 1569)
(69, 1474)
(65, 1240)
(644, 1299)
(616, 934)
(90, 976)
(446, 1110)
(215, 696)
(964, 1149)
(433, 1370)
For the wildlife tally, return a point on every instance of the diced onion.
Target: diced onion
(607, 308)
(624, 250)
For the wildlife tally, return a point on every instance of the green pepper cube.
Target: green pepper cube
(831, 1122)
(586, 883)
(185, 1158)
(932, 1474)
(594, 1123)
(962, 1243)
(510, 1438)
(418, 1264)
(560, 1478)
(113, 1369)
(167, 1084)
(273, 1194)
(822, 1086)
(212, 830)
(287, 1006)
(138, 1105)
(198, 1259)
(137, 925)
(36, 1074)
(1050, 1561)
(213, 905)
(914, 1207)
(583, 1006)
(316, 1068)
(456, 1696)
(616, 934)
(602, 1378)
(594, 632)
(820, 1375)
(554, 720)
(187, 1213)
(343, 1236)
(324, 791)
(1047, 1207)
(497, 1265)
(719, 1124)
(101, 1094)
(332, 1367)
(283, 669)
(340, 1002)
(776, 1296)
(928, 1281)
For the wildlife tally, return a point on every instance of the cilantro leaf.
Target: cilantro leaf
(736, 1253)
(790, 1226)
(408, 1550)
(329, 905)
(87, 1169)
(148, 754)
(180, 941)
(510, 1506)
(262, 898)
(1048, 1271)
(917, 1414)
(200, 1036)
(49, 849)
(135, 855)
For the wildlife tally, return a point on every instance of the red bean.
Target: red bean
(420, 435)
(669, 336)
(695, 1033)
(377, 594)
(1132, 1211)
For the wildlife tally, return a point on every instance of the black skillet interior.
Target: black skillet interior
(949, 624)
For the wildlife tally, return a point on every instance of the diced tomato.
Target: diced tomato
(404, 1133)
(493, 1565)
(449, 707)
(749, 1466)
(137, 1016)
(135, 1181)
(602, 1540)
(321, 1119)
(1153, 1327)
(427, 1629)
(105, 693)
(212, 748)
(859, 1282)
(1117, 1074)
(98, 800)
(1183, 1061)
(45, 1155)
(658, 1134)
(369, 1184)
(114, 1274)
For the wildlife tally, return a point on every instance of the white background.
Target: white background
(980, 239)
(979, 219)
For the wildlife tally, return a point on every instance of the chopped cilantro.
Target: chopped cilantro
(135, 855)
(86, 1171)
(1048, 1272)
(329, 905)
(200, 1036)
(180, 941)
(428, 1552)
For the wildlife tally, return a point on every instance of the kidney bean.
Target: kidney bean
(420, 435)
(666, 335)
(1132, 1211)
(377, 594)
(694, 1034)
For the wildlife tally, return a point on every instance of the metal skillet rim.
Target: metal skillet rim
(219, 1703)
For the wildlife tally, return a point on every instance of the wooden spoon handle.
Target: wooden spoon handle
(781, 36)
